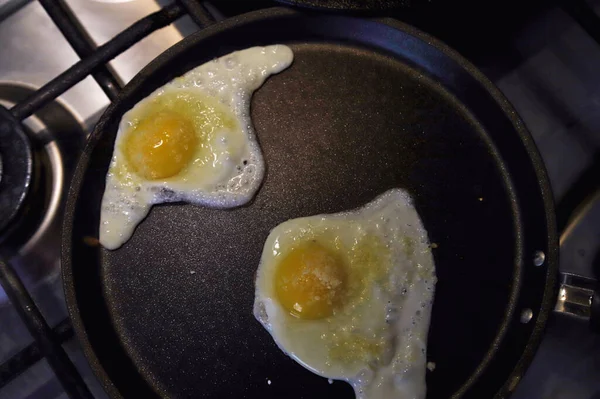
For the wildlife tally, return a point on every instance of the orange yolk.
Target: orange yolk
(161, 146)
(310, 281)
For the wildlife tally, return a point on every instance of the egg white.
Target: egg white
(395, 308)
(235, 174)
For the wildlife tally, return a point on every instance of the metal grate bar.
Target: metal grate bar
(83, 45)
(65, 371)
(103, 54)
(29, 356)
(8, 8)
(198, 13)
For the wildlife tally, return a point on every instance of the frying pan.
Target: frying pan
(366, 106)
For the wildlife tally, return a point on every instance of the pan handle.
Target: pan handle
(579, 296)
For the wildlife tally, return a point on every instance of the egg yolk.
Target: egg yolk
(310, 281)
(161, 145)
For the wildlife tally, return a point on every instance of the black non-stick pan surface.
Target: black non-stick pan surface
(366, 106)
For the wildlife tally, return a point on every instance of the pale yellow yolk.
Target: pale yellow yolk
(161, 145)
(310, 281)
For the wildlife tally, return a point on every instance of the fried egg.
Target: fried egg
(349, 295)
(190, 140)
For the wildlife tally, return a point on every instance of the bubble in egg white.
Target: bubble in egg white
(399, 303)
(230, 80)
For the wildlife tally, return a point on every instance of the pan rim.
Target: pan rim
(550, 294)
(380, 5)
(524, 135)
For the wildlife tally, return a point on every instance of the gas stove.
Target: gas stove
(545, 62)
